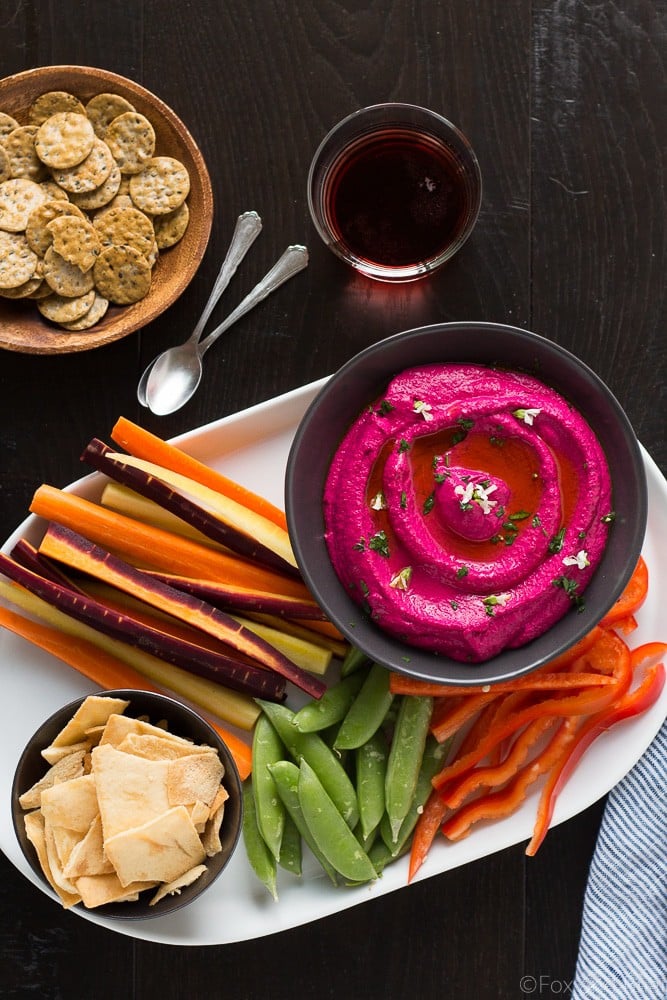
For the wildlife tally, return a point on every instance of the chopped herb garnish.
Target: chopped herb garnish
(363, 587)
(378, 543)
(556, 543)
(360, 545)
(608, 518)
(428, 503)
(520, 515)
(404, 500)
(440, 477)
(385, 407)
(462, 571)
(454, 605)
(536, 522)
(496, 440)
(465, 423)
(403, 445)
(570, 587)
(496, 538)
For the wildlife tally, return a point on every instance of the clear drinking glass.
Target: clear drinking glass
(394, 190)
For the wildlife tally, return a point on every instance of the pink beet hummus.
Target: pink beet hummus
(467, 508)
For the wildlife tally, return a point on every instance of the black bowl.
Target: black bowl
(182, 721)
(361, 381)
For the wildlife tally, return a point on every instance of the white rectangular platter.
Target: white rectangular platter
(253, 447)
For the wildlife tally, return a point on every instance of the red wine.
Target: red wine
(398, 197)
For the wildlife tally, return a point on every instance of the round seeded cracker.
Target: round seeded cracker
(38, 236)
(17, 261)
(7, 124)
(103, 108)
(65, 278)
(64, 140)
(88, 174)
(90, 318)
(161, 187)
(75, 240)
(170, 228)
(122, 275)
(20, 147)
(52, 102)
(5, 166)
(101, 195)
(18, 197)
(131, 139)
(61, 309)
(125, 227)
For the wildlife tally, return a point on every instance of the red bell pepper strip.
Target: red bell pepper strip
(632, 597)
(632, 703)
(497, 805)
(448, 718)
(609, 654)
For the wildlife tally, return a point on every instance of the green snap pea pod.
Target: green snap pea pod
(435, 755)
(367, 711)
(290, 846)
(406, 756)
(286, 776)
(267, 748)
(329, 830)
(353, 660)
(371, 767)
(332, 707)
(323, 760)
(259, 856)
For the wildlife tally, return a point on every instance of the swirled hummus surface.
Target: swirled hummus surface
(467, 508)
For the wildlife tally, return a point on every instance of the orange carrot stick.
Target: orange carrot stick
(142, 444)
(150, 547)
(105, 670)
(425, 830)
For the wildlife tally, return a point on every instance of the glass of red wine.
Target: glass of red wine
(394, 190)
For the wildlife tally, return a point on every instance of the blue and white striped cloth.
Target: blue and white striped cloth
(623, 948)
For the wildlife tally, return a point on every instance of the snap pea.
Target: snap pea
(259, 856)
(371, 767)
(286, 776)
(367, 711)
(329, 830)
(267, 748)
(433, 760)
(331, 708)
(405, 757)
(311, 748)
(353, 660)
(290, 846)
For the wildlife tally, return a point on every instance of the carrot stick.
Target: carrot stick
(446, 721)
(155, 548)
(400, 684)
(142, 444)
(104, 669)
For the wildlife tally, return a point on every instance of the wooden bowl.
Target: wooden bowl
(22, 327)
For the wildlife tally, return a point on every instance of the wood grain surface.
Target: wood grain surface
(564, 104)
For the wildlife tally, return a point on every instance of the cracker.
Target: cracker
(96, 312)
(18, 197)
(17, 260)
(50, 103)
(61, 309)
(88, 174)
(131, 139)
(54, 191)
(103, 108)
(126, 227)
(122, 275)
(75, 240)
(161, 187)
(65, 278)
(101, 195)
(64, 140)
(7, 124)
(5, 165)
(37, 234)
(170, 228)
(119, 201)
(25, 291)
(21, 151)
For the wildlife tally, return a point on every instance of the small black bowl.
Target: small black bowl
(360, 381)
(181, 721)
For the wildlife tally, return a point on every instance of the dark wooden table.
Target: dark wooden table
(564, 104)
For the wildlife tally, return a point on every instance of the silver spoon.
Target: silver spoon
(248, 228)
(176, 374)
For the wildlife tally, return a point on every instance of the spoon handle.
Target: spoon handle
(248, 228)
(293, 260)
